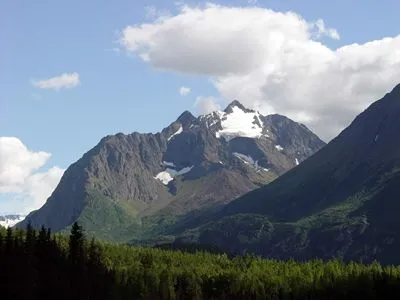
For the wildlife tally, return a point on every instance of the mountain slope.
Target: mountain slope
(341, 202)
(130, 186)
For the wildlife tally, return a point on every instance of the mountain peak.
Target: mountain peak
(236, 103)
(186, 118)
(192, 165)
(357, 171)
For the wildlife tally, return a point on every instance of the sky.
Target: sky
(74, 71)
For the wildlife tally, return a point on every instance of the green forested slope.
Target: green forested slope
(37, 265)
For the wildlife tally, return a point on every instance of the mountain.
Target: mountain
(135, 186)
(344, 201)
(10, 220)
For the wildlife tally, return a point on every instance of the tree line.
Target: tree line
(41, 265)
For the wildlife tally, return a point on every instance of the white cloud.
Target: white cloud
(271, 61)
(19, 175)
(17, 163)
(65, 80)
(205, 105)
(213, 40)
(323, 31)
(184, 91)
(40, 185)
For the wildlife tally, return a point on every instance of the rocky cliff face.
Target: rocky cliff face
(192, 165)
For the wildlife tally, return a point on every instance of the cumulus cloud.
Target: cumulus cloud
(19, 174)
(271, 61)
(319, 25)
(205, 105)
(65, 80)
(184, 91)
(40, 185)
(17, 163)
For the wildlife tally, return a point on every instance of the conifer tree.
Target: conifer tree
(76, 244)
(76, 258)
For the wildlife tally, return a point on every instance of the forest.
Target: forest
(41, 265)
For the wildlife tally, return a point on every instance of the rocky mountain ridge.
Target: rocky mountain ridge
(342, 202)
(192, 165)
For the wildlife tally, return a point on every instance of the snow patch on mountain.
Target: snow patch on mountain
(212, 118)
(169, 164)
(240, 123)
(168, 175)
(10, 220)
(179, 131)
(212, 123)
(279, 147)
(164, 176)
(245, 158)
(249, 160)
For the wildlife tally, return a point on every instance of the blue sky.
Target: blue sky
(120, 92)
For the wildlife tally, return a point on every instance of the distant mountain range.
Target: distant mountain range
(139, 187)
(344, 201)
(10, 220)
